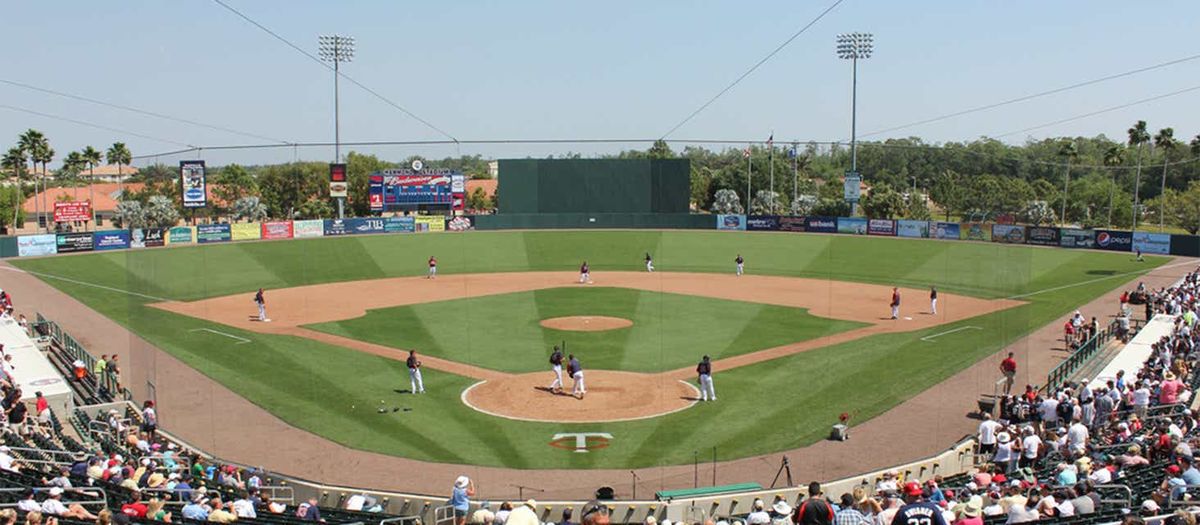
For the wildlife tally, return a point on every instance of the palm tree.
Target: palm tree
(1164, 140)
(28, 142)
(1070, 151)
(119, 154)
(73, 164)
(91, 156)
(1138, 136)
(1113, 156)
(14, 160)
(43, 153)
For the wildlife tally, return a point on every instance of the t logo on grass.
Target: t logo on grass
(583, 441)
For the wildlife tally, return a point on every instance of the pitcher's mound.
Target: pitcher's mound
(611, 396)
(586, 323)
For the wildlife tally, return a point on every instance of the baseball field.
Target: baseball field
(802, 338)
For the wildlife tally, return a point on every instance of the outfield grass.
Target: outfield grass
(764, 407)
(669, 331)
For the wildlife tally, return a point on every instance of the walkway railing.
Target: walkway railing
(76, 352)
(1085, 353)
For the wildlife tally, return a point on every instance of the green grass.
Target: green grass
(669, 330)
(764, 408)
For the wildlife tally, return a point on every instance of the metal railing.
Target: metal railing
(89, 491)
(76, 352)
(1083, 355)
(402, 520)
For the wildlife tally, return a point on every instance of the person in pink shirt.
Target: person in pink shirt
(1168, 391)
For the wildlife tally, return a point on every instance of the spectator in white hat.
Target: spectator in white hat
(53, 506)
(524, 514)
(460, 498)
(758, 516)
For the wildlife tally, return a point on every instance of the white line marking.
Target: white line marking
(82, 283)
(1098, 279)
(691, 404)
(929, 338)
(241, 340)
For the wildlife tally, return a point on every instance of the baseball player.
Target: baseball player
(895, 303)
(649, 263)
(432, 268)
(414, 373)
(262, 306)
(576, 372)
(585, 274)
(933, 300)
(740, 261)
(556, 360)
(704, 370)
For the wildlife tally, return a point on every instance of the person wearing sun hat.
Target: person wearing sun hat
(759, 514)
(917, 509)
(460, 498)
(524, 514)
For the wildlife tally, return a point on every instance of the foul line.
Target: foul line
(929, 338)
(84, 283)
(1106, 277)
(241, 340)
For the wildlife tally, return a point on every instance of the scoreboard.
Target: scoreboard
(416, 188)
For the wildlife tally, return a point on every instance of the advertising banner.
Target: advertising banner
(308, 228)
(277, 230)
(206, 233)
(851, 186)
(194, 188)
(33, 245)
(975, 231)
(337, 181)
(1076, 238)
(762, 222)
(458, 190)
(181, 235)
(146, 238)
(80, 211)
(731, 222)
(366, 225)
(399, 225)
(336, 227)
(246, 231)
(461, 224)
(1116, 241)
(111, 240)
(430, 223)
(75, 242)
(881, 227)
(792, 224)
(821, 224)
(947, 230)
(852, 225)
(916, 229)
(1042, 236)
(1146, 242)
(1008, 233)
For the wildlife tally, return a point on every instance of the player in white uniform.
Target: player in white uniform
(649, 263)
(414, 373)
(933, 300)
(704, 370)
(585, 273)
(740, 262)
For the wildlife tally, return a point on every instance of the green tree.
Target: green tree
(1165, 142)
(232, 183)
(359, 168)
(160, 212)
(315, 209)
(478, 200)
(285, 187)
(948, 192)
(119, 154)
(250, 208)
(1069, 151)
(91, 157)
(660, 150)
(882, 202)
(1182, 208)
(1138, 136)
(14, 162)
(1113, 156)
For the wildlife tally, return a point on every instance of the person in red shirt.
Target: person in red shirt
(895, 303)
(432, 268)
(1008, 367)
(1068, 333)
(43, 408)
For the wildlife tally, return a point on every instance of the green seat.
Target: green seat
(664, 495)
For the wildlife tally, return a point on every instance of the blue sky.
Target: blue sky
(614, 69)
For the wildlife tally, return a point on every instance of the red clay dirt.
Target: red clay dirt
(627, 395)
(586, 323)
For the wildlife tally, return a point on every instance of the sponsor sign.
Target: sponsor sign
(336, 227)
(206, 233)
(78, 211)
(731, 222)
(792, 224)
(399, 225)
(111, 240)
(1076, 238)
(246, 231)
(308, 228)
(762, 222)
(146, 238)
(881, 227)
(429, 223)
(458, 190)
(461, 224)
(366, 225)
(410, 188)
(338, 184)
(1042, 236)
(850, 187)
(1008, 233)
(181, 235)
(821, 224)
(33, 245)
(852, 225)
(1117, 241)
(75, 242)
(1146, 242)
(947, 230)
(909, 228)
(976, 231)
(277, 230)
(193, 187)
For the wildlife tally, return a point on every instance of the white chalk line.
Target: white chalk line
(241, 340)
(929, 338)
(84, 283)
(1098, 279)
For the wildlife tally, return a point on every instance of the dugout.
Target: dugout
(594, 185)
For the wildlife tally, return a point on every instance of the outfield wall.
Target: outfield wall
(138, 238)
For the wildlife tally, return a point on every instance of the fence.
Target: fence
(107, 382)
(1084, 355)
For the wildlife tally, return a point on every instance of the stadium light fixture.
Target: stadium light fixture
(854, 47)
(336, 49)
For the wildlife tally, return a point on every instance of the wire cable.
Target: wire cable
(1035, 95)
(752, 68)
(339, 73)
(138, 111)
(92, 125)
(1101, 111)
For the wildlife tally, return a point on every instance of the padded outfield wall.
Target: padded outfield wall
(594, 185)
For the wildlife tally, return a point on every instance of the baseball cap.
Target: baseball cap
(912, 488)
(56, 491)
(1174, 469)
